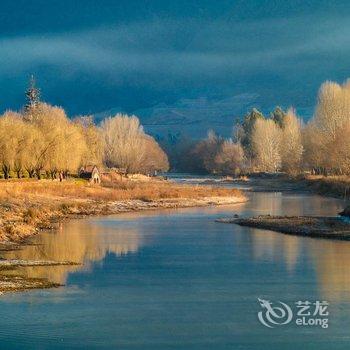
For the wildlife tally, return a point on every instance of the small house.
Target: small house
(90, 173)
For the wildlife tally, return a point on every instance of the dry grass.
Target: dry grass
(123, 190)
(26, 206)
(337, 186)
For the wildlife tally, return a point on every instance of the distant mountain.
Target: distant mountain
(192, 117)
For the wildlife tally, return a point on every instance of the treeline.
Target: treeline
(253, 146)
(278, 142)
(42, 141)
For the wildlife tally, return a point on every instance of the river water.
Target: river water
(176, 279)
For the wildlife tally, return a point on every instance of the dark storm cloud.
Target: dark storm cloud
(151, 46)
(137, 57)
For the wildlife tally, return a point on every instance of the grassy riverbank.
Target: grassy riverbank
(332, 186)
(28, 206)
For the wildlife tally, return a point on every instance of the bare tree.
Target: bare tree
(206, 150)
(333, 108)
(324, 139)
(266, 141)
(124, 142)
(230, 158)
(93, 140)
(154, 158)
(291, 147)
(340, 157)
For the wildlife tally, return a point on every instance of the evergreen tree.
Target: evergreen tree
(248, 128)
(278, 116)
(33, 99)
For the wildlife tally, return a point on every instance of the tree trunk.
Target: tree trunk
(6, 170)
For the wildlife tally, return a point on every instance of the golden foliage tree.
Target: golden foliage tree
(266, 141)
(291, 145)
(326, 140)
(127, 146)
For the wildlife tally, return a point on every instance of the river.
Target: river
(176, 279)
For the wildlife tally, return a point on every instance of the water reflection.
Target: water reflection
(332, 263)
(194, 281)
(276, 203)
(89, 241)
(330, 259)
(276, 247)
(83, 242)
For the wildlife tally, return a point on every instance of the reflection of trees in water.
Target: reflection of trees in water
(86, 243)
(272, 245)
(77, 241)
(266, 203)
(332, 263)
(316, 205)
(330, 258)
(289, 204)
(276, 247)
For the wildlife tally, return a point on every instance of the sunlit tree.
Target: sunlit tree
(230, 158)
(124, 142)
(266, 141)
(291, 145)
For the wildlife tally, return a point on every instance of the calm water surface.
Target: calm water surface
(177, 280)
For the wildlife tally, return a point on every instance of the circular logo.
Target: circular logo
(274, 315)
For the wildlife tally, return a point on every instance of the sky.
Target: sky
(91, 56)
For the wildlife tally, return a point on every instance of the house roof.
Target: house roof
(89, 168)
(86, 172)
